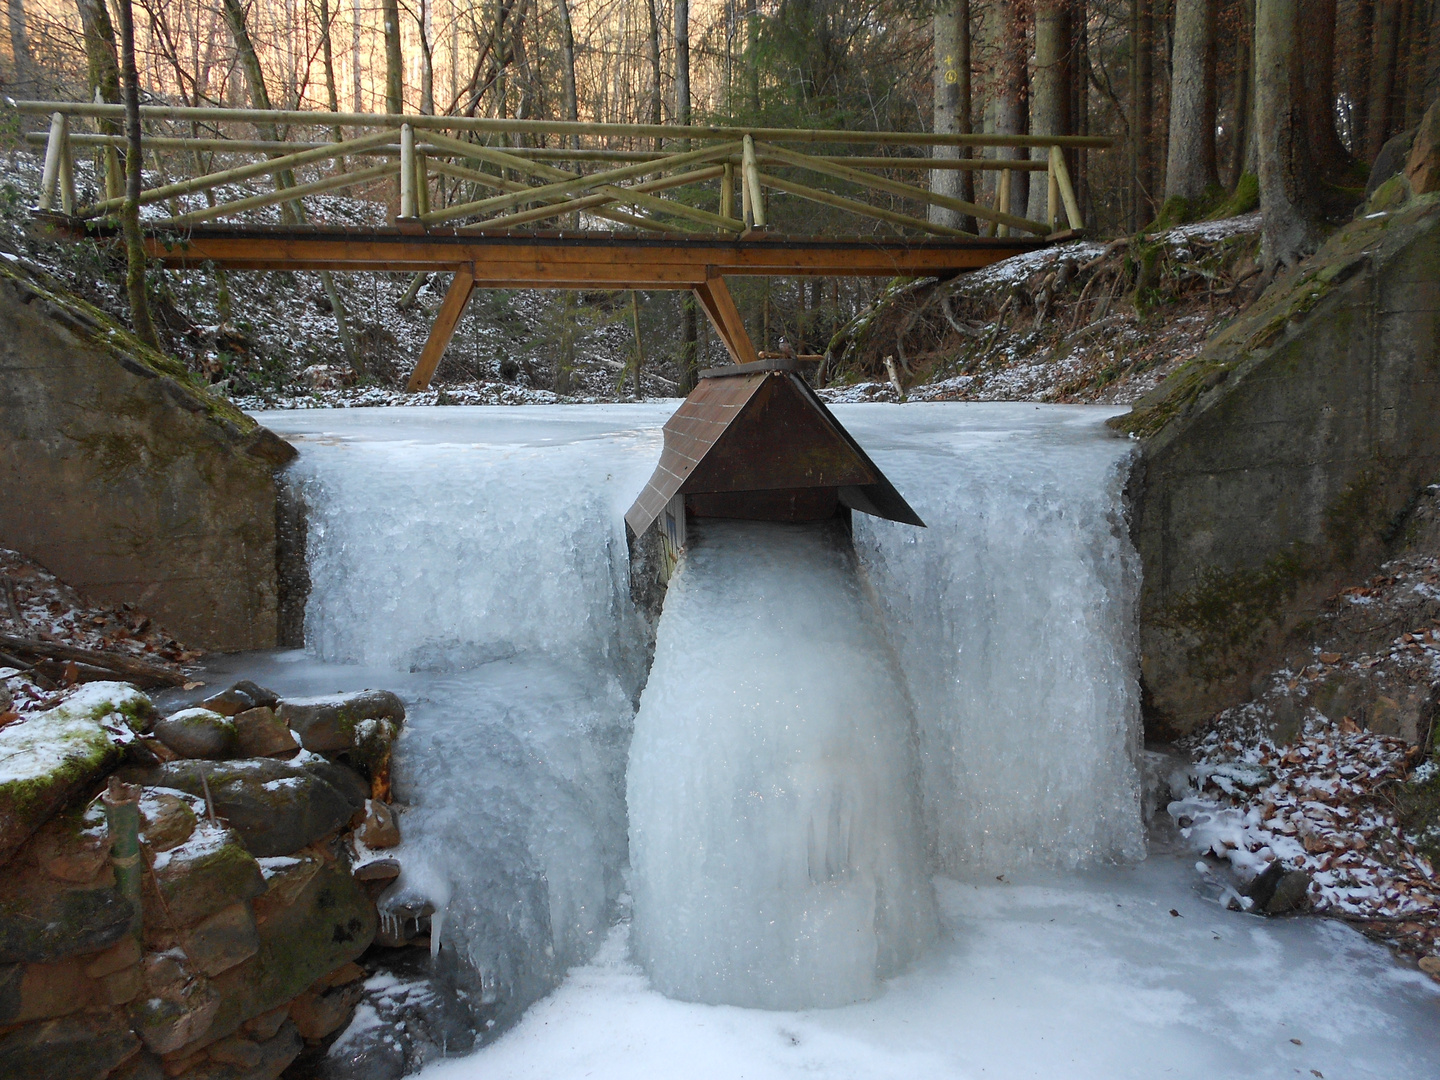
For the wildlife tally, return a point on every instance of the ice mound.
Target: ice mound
(774, 838)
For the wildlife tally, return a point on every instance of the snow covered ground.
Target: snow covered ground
(1108, 974)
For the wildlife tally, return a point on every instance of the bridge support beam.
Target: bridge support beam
(712, 293)
(461, 286)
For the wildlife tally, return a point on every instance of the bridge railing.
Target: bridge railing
(507, 187)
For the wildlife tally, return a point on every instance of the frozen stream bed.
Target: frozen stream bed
(1077, 976)
(473, 560)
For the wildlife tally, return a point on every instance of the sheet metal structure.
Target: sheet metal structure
(754, 441)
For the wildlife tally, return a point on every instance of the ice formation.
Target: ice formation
(1013, 618)
(774, 840)
(473, 560)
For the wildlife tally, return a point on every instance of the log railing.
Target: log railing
(510, 187)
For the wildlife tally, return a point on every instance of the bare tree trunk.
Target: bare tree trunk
(655, 93)
(752, 55)
(427, 57)
(102, 69)
(1190, 168)
(1385, 51)
(1318, 47)
(394, 60)
(20, 45)
(951, 33)
(1243, 108)
(1050, 97)
(567, 66)
(1287, 176)
(1418, 93)
(356, 69)
(130, 215)
(1143, 110)
(327, 56)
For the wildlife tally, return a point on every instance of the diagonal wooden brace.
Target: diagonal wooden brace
(461, 286)
(719, 305)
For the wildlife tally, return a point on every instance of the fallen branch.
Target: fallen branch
(122, 665)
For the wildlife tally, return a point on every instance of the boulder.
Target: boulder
(198, 733)
(276, 807)
(320, 1013)
(326, 725)
(87, 1046)
(48, 758)
(262, 734)
(167, 819)
(177, 1006)
(74, 847)
(30, 992)
(380, 829)
(1422, 167)
(38, 927)
(201, 877)
(231, 1059)
(327, 923)
(223, 940)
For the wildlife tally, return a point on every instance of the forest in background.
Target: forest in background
(1176, 82)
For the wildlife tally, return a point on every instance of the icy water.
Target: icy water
(473, 560)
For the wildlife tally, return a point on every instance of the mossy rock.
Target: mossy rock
(49, 927)
(202, 876)
(198, 733)
(48, 758)
(85, 1046)
(326, 725)
(327, 924)
(275, 807)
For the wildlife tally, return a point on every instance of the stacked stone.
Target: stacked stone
(251, 912)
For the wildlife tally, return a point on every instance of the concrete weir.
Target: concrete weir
(1283, 461)
(126, 479)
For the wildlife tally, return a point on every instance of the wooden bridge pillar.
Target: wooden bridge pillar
(453, 306)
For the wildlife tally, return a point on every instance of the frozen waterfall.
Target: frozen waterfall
(473, 560)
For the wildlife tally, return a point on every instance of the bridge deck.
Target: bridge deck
(576, 259)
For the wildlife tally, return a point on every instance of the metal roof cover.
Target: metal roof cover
(759, 427)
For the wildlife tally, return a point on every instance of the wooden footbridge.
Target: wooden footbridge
(470, 203)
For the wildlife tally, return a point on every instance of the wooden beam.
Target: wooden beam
(855, 207)
(317, 118)
(459, 172)
(714, 296)
(461, 286)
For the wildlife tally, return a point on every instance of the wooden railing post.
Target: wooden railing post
(67, 174)
(727, 191)
(407, 173)
(755, 212)
(422, 184)
(54, 152)
(1003, 201)
(1061, 172)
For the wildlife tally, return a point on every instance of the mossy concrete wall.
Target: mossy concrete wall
(127, 480)
(1281, 463)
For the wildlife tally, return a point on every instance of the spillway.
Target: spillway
(955, 704)
(850, 716)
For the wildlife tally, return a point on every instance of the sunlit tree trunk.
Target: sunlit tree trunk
(327, 57)
(427, 58)
(1287, 175)
(356, 68)
(1190, 168)
(20, 43)
(394, 59)
(567, 66)
(656, 96)
(752, 55)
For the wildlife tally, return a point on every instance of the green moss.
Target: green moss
(1172, 398)
(1224, 612)
(1245, 198)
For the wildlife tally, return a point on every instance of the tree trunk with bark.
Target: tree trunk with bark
(130, 214)
(327, 57)
(567, 67)
(394, 59)
(1142, 101)
(1385, 50)
(951, 40)
(1287, 176)
(1190, 169)
(656, 97)
(1050, 98)
(1243, 94)
(1318, 56)
(427, 57)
